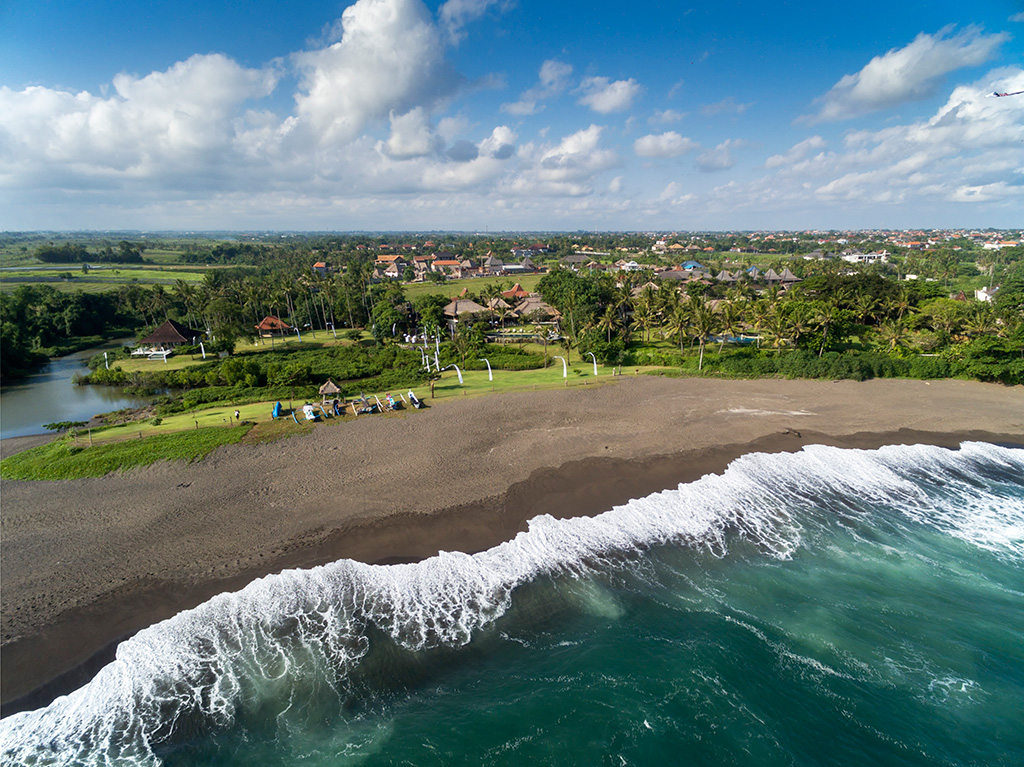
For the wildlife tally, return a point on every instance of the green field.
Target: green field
(474, 285)
(70, 277)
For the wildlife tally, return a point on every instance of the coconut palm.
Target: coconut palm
(609, 321)
(981, 321)
(865, 305)
(704, 322)
(894, 333)
(679, 323)
(827, 313)
(644, 316)
(729, 319)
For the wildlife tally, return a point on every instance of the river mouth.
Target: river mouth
(50, 396)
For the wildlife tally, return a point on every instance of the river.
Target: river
(49, 396)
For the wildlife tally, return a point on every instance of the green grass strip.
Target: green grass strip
(64, 459)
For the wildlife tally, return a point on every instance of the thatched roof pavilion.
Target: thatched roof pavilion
(171, 334)
(271, 325)
(330, 389)
(463, 306)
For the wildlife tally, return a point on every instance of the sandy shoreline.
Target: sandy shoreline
(88, 562)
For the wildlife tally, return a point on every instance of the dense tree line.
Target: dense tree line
(617, 317)
(76, 253)
(37, 321)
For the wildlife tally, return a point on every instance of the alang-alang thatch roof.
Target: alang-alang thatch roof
(330, 388)
(172, 333)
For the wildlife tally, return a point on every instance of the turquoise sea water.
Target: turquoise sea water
(825, 607)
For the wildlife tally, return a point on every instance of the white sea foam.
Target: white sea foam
(287, 634)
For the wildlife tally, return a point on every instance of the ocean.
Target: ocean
(824, 607)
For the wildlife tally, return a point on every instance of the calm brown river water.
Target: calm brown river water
(50, 396)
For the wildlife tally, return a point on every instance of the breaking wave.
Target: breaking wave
(302, 635)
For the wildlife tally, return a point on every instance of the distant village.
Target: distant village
(724, 258)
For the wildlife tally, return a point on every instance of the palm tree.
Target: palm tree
(679, 322)
(704, 322)
(729, 322)
(981, 321)
(901, 304)
(644, 317)
(186, 293)
(894, 332)
(826, 315)
(800, 321)
(609, 321)
(543, 333)
(865, 303)
(568, 343)
(775, 327)
(759, 311)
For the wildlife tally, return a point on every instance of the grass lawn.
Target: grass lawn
(474, 284)
(66, 459)
(475, 383)
(309, 340)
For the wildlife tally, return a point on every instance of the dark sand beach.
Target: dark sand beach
(87, 563)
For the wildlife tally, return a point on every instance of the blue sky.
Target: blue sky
(505, 114)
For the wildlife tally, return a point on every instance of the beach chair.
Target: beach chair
(415, 402)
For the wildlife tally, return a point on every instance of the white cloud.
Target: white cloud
(500, 144)
(412, 136)
(390, 58)
(665, 117)
(566, 168)
(910, 73)
(726, 106)
(552, 81)
(971, 150)
(605, 96)
(719, 158)
(796, 153)
(670, 191)
(615, 185)
(456, 14)
(168, 122)
(972, 141)
(669, 144)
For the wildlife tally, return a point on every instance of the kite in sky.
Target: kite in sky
(1015, 93)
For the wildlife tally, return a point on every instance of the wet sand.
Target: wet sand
(86, 563)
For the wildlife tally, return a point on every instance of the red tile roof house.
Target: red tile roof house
(447, 266)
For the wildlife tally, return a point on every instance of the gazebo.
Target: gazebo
(272, 325)
(330, 389)
(171, 334)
